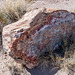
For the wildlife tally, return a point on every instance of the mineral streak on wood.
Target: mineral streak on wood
(36, 33)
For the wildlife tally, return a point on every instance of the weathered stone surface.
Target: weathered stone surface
(38, 31)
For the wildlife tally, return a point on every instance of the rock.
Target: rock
(37, 32)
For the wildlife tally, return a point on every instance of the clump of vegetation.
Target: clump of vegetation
(12, 11)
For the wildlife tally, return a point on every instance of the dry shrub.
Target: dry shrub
(12, 11)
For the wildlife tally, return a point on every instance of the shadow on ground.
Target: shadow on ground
(39, 71)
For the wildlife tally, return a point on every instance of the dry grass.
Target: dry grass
(12, 11)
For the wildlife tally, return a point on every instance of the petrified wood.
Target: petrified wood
(37, 32)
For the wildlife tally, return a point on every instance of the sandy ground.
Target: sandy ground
(6, 61)
(57, 4)
(4, 70)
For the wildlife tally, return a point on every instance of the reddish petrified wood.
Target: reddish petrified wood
(41, 36)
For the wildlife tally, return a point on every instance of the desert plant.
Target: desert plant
(12, 11)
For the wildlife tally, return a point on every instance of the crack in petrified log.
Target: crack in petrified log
(28, 44)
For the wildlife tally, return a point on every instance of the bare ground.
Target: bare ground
(57, 4)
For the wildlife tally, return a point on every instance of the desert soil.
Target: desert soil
(56, 4)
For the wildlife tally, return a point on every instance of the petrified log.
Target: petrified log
(37, 32)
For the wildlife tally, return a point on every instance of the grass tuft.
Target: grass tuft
(12, 11)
